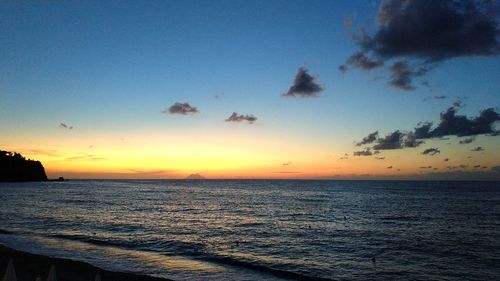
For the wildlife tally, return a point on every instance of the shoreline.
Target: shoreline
(28, 266)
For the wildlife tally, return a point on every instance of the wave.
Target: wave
(192, 250)
(262, 268)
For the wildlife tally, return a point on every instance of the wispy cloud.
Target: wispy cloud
(235, 117)
(366, 152)
(65, 126)
(467, 140)
(479, 148)
(431, 151)
(181, 108)
(85, 157)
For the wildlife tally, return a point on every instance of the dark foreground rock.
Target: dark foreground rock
(14, 167)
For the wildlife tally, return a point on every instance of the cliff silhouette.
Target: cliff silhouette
(14, 167)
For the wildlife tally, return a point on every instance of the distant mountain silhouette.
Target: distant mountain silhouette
(14, 167)
(195, 177)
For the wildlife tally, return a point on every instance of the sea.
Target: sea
(262, 229)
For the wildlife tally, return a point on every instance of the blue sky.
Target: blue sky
(110, 68)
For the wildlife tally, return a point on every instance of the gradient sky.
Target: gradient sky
(109, 71)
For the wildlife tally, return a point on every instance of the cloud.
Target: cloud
(440, 97)
(235, 117)
(65, 126)
(460, 125)
(391, 141)
(390, 167)
(380, 158)
(368, 139)
(86, 157)
(402, 74)
(446, 159)
(181, 108)
(366, 152)
(431, 151)
(304, 85)
(424, 33)
(396, 140)
(450, 124)
(496, 169)
(286, 163)
(46, 152)
(425, 167)
(359, 60)
(467, 140)
(479, 148)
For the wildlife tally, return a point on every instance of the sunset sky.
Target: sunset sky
(147, 89)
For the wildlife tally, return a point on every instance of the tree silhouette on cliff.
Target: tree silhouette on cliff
(14, 167)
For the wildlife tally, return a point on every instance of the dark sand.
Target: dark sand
(29, 266)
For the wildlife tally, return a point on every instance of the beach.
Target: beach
(29, 266)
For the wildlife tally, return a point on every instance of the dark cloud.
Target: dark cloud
(235, 117)
(181, 108)
(463, 166)
(467, 140)
(368, 139)
(452, 124)
(304, 85)
(366, 152)
(402, 75)
(286, 163)
(479, 148)
(344, 158)
(477, 166)
(427, 32)
(425, 167)
(390, 167)
(65, 126)
(460, 125)
(380, 158)
(394, 140)
(446, 160)
(431, 151)
(359, 60)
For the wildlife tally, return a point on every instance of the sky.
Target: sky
(253, 89)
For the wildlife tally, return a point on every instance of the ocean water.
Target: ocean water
(262, 229)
